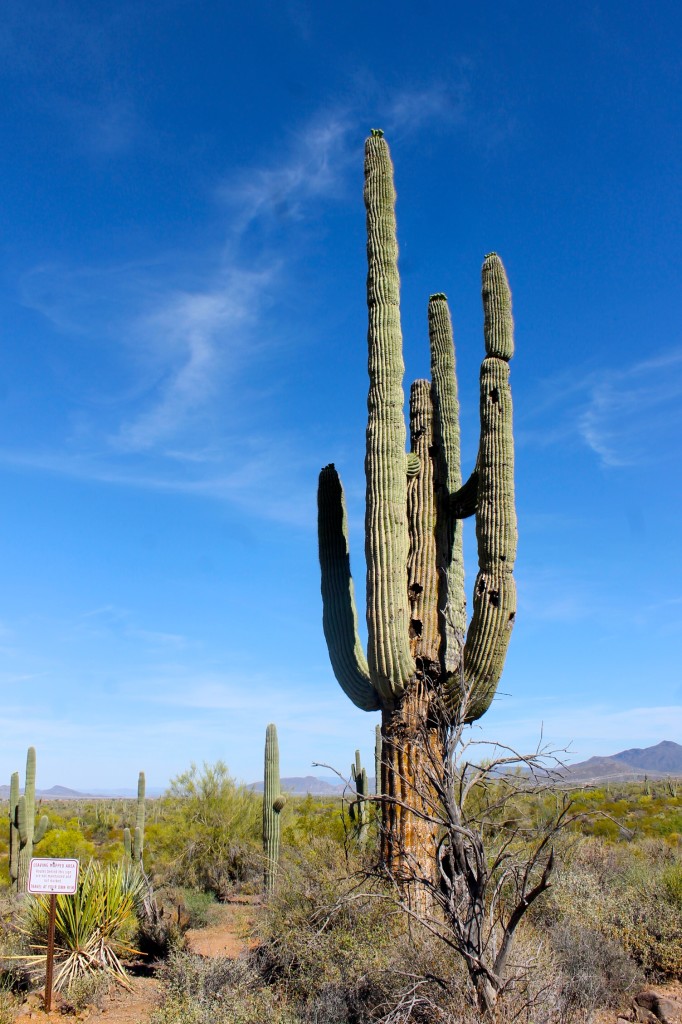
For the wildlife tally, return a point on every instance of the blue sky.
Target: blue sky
(183, 330)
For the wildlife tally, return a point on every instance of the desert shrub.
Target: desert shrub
(210, 833)
(66, 842)
(598, 972)
(628, 893)
(86, 991)
(205, 990)
(194, 906)
(310, 816)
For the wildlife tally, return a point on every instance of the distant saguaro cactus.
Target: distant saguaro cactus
(134, 844)
(419, 665)
(358, 809)
(273, 802)
(24, 835)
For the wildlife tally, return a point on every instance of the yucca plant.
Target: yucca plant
(93, 928)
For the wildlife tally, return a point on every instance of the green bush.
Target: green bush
(210, 833)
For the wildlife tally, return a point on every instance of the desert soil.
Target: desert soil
(228, 934)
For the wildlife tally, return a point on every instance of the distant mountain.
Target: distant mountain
(58, 793)
(657, 762)
(300, 786)
(666, 756)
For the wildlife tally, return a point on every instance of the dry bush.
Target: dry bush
(627, 893)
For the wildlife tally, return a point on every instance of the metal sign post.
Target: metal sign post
(56, 876)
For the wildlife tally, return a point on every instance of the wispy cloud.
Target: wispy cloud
(177, 332)
(314, 168)
(627, 417)
(634, 415)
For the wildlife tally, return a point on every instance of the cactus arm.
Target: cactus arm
(339, 617)
(386, 540)
(422, 571)
(41, 829)
(127, 843)
(494, 604)
(22, 820)
(448, 481)
(463, 502)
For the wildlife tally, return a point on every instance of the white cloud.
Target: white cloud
(634, 415)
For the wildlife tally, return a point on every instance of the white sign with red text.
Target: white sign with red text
(57, 875)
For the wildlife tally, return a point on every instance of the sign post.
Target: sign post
(52, 876)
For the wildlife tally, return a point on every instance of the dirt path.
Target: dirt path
(226, 935)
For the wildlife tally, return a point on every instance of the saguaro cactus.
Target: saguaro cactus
(358, 809)
(273, 802)
(134, 844)
(24, 835)
(418, 661)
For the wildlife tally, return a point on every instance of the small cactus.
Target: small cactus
(358, 809)
(134, 842)
(24, 835)
(273, 802)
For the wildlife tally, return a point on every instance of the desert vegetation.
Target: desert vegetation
(333, 941)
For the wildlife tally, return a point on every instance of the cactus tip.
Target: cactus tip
(377, 133)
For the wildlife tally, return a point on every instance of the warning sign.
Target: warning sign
(56, 875)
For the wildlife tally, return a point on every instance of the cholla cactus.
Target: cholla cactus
(24, 835)
(420, 652)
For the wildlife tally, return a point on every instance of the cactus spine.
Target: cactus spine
(359, 812)
(134, 844)
(273, 802)
(418, 661)
(24, 835)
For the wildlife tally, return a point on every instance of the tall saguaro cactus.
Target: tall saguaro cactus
(134, 844)
(421, 657)
(273, 802)
(24, 835)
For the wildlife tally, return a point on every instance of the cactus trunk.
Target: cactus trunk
(273, 802)
(419, 665)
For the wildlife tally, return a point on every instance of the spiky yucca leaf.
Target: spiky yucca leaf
(93, 928)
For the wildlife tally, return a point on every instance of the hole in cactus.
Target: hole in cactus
(416, 627)
(512, 616)
(503, 558)
(416, 589)
(494, 598)
(494, 396)
(433, 450)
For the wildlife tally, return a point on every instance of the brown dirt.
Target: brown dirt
(228, 934)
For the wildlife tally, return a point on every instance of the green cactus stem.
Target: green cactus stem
(133, 840)
(24, 834)
(273, 803)
(422, 661)
(359, 811)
